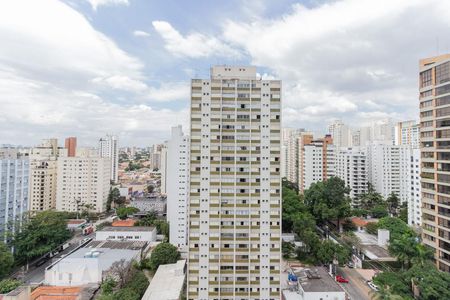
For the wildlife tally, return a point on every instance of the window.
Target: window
(443, 73)
(425, 78)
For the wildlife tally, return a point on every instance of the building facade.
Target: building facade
(434, 91)
(178, 179)
(341, 134)
(407, 133)
(43, 175)
(108, 147)
(83, 182)
(71, 145)
(235, 202)
(14, 185)
(351, 165)
(414, 203)
(390, 169)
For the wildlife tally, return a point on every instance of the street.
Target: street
(357, 288)
(35, 275)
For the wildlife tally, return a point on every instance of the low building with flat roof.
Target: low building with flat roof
(130, 233)
(314, 284)
(90, 264)
(167, 284)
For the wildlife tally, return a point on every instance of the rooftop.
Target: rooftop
(167, 282)
(322, 281)
(76, 221)
(64, 292)
(128, 228)
(123, 223)
(128, 245)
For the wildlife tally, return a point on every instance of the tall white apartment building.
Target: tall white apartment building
(108, 147)
(390, 169)
(383, 130)
(235, 199)
(83, 181)
(407, 133)
(351, 166)
(317, 162)
(178, 186)
(43, 175)
(289, 157)
(14, 185)
(163, 170)
(341, 134)
(414, 204)
(361, 136)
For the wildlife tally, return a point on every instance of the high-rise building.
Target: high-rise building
(351, 166)
(317, 162)
(341, 134)
(163, 170)
(414, 204)
(434, 81)
(407, 133)
(43, 175)
(14, 184)
(361, 136)
(289, 155)
(108, 147)
(390, 169)
(178, 178)
(71, 145)
(383, 130)
(305, 138)
(83, 182)
(235, 201)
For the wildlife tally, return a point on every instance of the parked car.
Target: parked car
(350, 264)
(372, 285)
(341, 279)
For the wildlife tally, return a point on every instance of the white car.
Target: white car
(372, 286)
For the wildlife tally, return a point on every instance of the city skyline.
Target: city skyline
(132, 78)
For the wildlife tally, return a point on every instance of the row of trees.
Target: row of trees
(301, 213)
(372, 203)
(40, 234)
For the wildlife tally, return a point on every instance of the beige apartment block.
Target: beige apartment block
(434, 85)
(234, 234)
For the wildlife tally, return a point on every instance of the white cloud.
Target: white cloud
(193, 45)
(59, 76)
(141, 33)
(347, 59)
(96, 3)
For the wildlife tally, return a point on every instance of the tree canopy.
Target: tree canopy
(328, 200)
(164, 253)
(124, 212)
(6, 260)
(40, 234)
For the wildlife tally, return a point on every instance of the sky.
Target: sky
(86, 68)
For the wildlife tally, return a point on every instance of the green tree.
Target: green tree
(329, 251)
(7, 285)
(164, 253)
(328, 200)
(393, 204)
(124, 212)
(303, 222)
(369, 200)
(287, 249)
(379, 211)
(403, 214)
(292, 205)
(150, 188)
(162, 227)
(40, 234)
(396, 227)
(108, 286)
(6, 260)
(113, 198)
